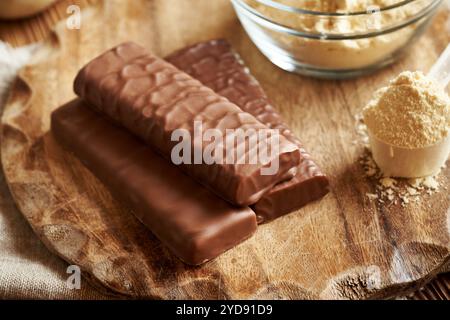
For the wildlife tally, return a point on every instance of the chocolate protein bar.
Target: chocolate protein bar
(155, 100)
(216, 65)
(192, 222)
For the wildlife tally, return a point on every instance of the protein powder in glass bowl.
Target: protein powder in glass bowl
(334, 38)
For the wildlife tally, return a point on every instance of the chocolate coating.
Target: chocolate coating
(216, 65)
(152, 98)
(192, 222)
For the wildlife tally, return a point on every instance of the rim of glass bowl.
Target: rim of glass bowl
(259, 18)
(285, 7)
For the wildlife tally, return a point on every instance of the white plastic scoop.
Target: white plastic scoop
(415, 162)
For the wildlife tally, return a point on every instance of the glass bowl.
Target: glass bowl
(333, 42)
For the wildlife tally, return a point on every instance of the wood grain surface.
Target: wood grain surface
(341, 247)
(36, 28)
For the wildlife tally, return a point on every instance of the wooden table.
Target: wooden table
(36, 28)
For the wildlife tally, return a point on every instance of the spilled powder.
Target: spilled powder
(392, 190)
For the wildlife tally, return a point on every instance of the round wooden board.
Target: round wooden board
(343, 246)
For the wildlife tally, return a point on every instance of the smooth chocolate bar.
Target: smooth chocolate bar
(155, 100)
(192, 222)
(218, 66)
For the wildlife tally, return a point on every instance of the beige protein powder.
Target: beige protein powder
(409, 126)
(343, 54)
(412, 112)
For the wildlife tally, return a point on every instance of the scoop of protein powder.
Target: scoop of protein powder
(408, 124)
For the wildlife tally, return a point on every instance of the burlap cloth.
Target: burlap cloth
(27, 269)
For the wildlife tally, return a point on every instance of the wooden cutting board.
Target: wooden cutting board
(343, 246)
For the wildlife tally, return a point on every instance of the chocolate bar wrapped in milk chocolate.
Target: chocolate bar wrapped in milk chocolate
(192, 222)
(217, 66)
(154, 100)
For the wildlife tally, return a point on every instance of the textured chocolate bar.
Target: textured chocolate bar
(153, 99)
(192, 222)
(217, 66)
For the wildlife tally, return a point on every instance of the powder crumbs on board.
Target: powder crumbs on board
(391, 190)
